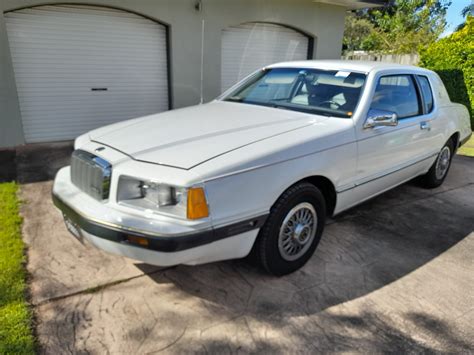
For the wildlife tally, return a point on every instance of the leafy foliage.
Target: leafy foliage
(452, 58)
(359, 34)
(15, 317)
(402, 26)
(466, 12)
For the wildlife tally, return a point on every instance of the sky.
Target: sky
(453, 16)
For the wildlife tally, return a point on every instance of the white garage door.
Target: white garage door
(248, 47)
(82, 67)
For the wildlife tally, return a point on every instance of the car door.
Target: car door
(391, 154)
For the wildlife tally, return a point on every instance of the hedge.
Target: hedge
(452, 58)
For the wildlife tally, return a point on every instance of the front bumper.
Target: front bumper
(155, 241)
(191, 247)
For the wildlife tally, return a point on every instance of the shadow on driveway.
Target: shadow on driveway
(34, 162)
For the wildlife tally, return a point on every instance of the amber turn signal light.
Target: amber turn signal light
(137, 240)
(197, 204)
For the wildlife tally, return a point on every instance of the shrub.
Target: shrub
(452, 58)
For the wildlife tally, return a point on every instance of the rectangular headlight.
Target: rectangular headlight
(162, 198)
(161, 195)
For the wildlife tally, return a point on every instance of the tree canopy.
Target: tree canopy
(466, 12)
(401, 26)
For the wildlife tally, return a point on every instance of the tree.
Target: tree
(358, 34)
(465, 13)
(468, 10)
(402, 26)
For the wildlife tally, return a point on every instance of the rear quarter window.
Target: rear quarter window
(426, 92)
(439, 90)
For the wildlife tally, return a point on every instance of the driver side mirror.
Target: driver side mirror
(376, 118)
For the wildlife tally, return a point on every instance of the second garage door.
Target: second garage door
(82, 67)
(248, 47)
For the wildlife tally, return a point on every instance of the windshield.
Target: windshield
(326, 92)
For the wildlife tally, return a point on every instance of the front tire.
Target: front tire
(293, 230)
(439, 170)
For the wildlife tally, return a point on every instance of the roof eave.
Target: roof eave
(354, 4)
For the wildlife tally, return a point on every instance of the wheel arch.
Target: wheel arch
(455, 137)
(327, 188)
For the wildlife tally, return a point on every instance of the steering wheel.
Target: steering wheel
(329, 103)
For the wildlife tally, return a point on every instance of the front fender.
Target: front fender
(251, 193)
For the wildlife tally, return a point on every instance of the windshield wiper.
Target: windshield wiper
(293, 107)
(281, 99)
(235, 99)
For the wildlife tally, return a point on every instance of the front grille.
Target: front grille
(91, 174)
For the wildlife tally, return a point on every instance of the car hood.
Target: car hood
(188, 137)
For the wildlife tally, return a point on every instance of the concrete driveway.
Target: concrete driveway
(393, 275)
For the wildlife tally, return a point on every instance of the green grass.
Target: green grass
(468, 148)
(15, 317)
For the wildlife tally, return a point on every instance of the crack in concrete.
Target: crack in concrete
(95, 289)
(170, 344)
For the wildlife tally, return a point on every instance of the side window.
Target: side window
(397, 93)
(426, 92)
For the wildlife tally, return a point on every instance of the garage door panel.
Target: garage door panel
(61, 52)
(248, 47)
(59, 43)
(122, 33)
(64, 18)
(74, 11)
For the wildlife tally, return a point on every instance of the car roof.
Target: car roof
(349, 65)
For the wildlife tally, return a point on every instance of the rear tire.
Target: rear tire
(293, 230)
(440, 168)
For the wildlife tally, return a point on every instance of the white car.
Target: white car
(260, 168)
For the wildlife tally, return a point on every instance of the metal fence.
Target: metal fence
(407, 59)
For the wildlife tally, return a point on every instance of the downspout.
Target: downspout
(202, 62)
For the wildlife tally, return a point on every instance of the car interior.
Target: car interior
(396, 94)
(329, 91)
(326, 90)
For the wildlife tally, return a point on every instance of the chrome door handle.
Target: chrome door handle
(425, 125)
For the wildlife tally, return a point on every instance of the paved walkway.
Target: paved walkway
(393, 275)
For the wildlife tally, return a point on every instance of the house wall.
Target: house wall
(325, 23)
